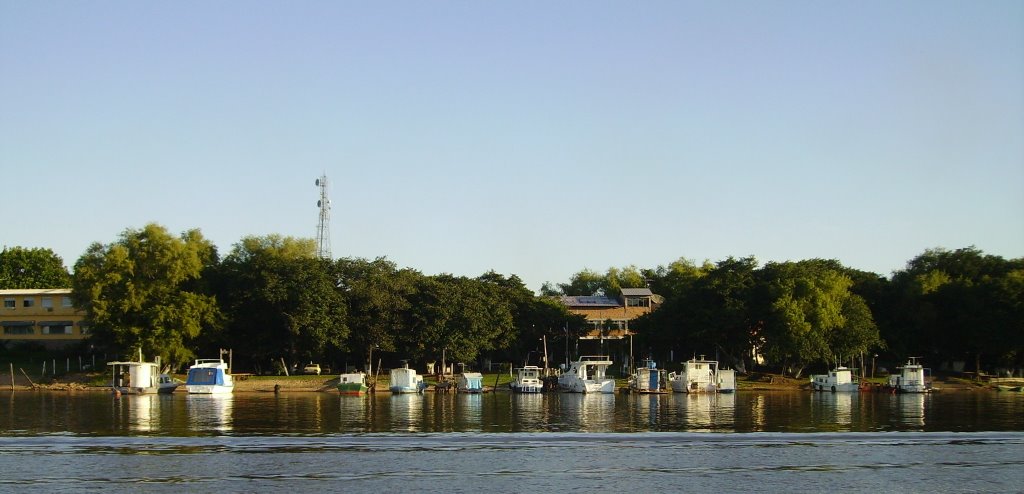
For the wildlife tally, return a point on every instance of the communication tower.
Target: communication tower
(323, 228)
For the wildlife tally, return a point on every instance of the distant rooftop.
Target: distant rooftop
(637, 292)
(590, 301)
(36, 291)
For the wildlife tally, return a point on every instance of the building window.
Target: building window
(47, 302)
(65, 302)
(19, 329)
(83, 330)
(9, 303)
(56, 328)
(28, 302)
(638, 302)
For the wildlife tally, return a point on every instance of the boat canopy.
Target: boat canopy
(205, 377)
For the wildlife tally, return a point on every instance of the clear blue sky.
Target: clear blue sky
(531, 138)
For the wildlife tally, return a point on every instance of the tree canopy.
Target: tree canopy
(144, 291)
(272, 297)
(22, 267)
(282, 301)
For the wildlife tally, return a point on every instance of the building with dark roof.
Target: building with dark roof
(599, 310)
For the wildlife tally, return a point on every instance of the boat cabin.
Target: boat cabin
(470, 382)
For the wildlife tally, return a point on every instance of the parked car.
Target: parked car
(311, 368)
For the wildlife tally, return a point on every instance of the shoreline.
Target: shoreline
(321, 384)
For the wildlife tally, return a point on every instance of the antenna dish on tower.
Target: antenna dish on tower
(323, 229)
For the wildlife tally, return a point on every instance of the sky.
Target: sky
(533, 138)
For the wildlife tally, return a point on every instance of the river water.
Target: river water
(751, 441)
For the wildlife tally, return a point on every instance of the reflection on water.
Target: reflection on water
(470, 410)
(209, 412)
(406, 411)
(706, 411)
(354, 413)
(833, 408)
(909, 408)
(757, 413)
(142, 411)
(586, 412)
(329, 413)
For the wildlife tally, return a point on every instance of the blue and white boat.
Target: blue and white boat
(647, 379)
(405, 380)
(470, 382)
(209, 376)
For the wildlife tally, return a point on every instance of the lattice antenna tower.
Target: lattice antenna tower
(323, 228)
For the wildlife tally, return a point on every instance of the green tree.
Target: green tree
(456, 317)
(678, 277)
(958, 305)
(32, 268)
(377, 294)
(809, 315)
(144, 292)
(585, 283)
(281, 300)
(704, 310)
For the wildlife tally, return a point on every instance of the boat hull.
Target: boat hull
(526, 388)
(588, 386)
(207, 389)
(150, 390)
(354, 389)
(836, 388)
(404, 389)
(679, 386)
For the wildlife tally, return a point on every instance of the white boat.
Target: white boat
(587, 375)
(911, 378)
(647, 379)
(702, 376)
(139, 378)
(209, 376)
(726, 380)
(405, 380)
(839, 380)
(527, 380)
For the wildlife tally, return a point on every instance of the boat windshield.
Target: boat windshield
(205, 377)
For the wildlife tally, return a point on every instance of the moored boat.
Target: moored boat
(839, 379)
(470, 382)
(140, 378)
(352, 384)
(698, 376)
(911, 378)
(726, 379)
(209, 376)
(527, 380)
(647, 379)
(405, 380)
(587, 375)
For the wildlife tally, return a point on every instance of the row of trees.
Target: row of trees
(946, 306)
(270, 297)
